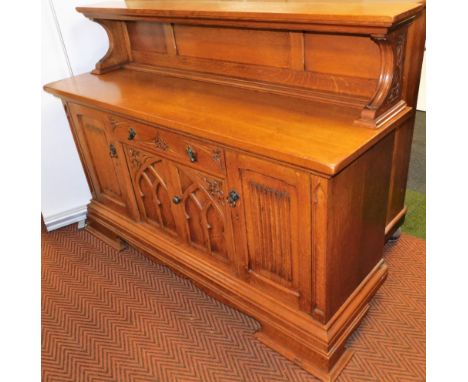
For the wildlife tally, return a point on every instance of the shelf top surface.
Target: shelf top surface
(316, 136)
(347, 12)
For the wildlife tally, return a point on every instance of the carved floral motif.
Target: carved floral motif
(269, 190)
(398, 51)
(214, 188)
(113, 122)
(387, 99)
(161, 144)
(216, 155)
(135, 159)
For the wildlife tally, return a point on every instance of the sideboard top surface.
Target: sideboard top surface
(316, 136)
(346, 12)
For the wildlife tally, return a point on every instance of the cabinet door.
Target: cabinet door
(272, 227)
(154, 190)
(203, 208)
(182, 202)
(104, 162)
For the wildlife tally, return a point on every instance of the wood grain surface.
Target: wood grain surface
(319, 137)
(364, 12)
(259, 148)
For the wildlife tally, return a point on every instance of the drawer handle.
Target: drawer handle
(176, 199)
(112, 151)
(191, 154)
(131, 134)
(233, 197)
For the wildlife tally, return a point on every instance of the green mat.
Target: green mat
(415, 222)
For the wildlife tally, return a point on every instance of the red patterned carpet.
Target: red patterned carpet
(109, 316)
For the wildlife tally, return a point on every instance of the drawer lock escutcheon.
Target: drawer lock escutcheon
(131, 134)
(191, 154)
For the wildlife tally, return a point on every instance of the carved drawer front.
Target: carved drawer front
(188, 151)
(103, 159)
(272, 227)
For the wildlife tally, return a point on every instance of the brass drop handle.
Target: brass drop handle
(233, 197)
(191, 154)
(131, 134)
(176, 199)
(112, 151)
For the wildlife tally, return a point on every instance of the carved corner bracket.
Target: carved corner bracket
(387, 100)
(118, 53)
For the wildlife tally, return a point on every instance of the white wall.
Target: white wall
(71, 45)
(422, 88)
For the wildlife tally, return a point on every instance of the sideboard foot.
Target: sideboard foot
(311, 361)
(395, 236)
(393, 226)
(106, 235)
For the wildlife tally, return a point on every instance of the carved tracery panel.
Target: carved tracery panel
(150, 177)
(203, 206)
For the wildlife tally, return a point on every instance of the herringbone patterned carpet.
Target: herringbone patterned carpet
(109, 316)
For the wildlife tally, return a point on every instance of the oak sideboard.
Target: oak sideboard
(260, 149)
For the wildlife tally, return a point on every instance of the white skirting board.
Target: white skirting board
(75, 215)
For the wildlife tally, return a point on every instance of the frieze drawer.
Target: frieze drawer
(186, 150)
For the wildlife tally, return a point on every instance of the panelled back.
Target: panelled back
(343, 65)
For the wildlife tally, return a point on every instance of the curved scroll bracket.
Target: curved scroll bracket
(118, 53)
(387, 100)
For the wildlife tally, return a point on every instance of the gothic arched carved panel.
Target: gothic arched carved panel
(151, 183)
(203, 205)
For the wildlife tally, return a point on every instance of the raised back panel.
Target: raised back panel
(308, 64)
(282, 52)
(353, 56)
(147, 36)
(246, 46)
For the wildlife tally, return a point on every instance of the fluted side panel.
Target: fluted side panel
(272, 211)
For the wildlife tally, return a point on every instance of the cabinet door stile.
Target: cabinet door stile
(179, 214)
(123, 169)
